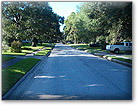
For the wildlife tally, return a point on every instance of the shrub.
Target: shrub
(16, 46)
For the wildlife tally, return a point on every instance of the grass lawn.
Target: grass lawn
(12, 53)
(6, 58)
(13, 73)
(86, 47)
(94, 49)
(121, 59)
(89, 49)
(128, 56)
(26, 49)
(44, 51)
(31, 48)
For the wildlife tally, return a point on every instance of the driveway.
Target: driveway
(72, 74)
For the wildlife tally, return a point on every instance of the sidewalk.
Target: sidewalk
(20, 57)
(117, 55)
(104, 55)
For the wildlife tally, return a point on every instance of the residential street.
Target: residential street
(72, 74)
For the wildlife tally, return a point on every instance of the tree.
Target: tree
(30, 20)
(112, 20)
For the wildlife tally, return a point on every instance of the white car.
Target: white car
(124, 46)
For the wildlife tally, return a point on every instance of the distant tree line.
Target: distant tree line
(30, 20)
(109, 22)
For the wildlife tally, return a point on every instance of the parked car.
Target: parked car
(69, 42)
(124, 46)
(26, 41)
(95, 45)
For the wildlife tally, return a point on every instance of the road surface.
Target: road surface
(72, 74)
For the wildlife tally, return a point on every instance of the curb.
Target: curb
(108, 58)
(24, 77)
(117, 61)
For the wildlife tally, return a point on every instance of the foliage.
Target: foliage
(26, 48)
(12, 74)
(5, 47)
(112, 20)
(16, 46)
(26, 20)
(101, 39)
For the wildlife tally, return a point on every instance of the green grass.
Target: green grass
(92, 49)
(12, 53)
(125, 52)
(128, 56)
(87, 48)
(32, 48)
(124, 60)
(6, 58)
(44, 51)
(26, 49)
(81, 48)
(74, 46)
(43, 44)
(13, 73)
(121, 59)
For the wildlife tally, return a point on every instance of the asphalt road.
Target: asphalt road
(72, 74)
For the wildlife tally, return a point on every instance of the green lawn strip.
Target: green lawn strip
(81, 48)
(32, 48)
(125, 52)
(83, 45)
(27, 48)
(13, 73)
(6, 58)
(121, 59)
(74, 46)
(27, 51)
(128, 56)
(44, 51)
(92, 51)
(12, 53)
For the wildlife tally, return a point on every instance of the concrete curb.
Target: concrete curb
(108, 58)
(25, 76)
(117, 61)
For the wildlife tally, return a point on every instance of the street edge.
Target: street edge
(25, 76)
(117, 61)
(108, 58)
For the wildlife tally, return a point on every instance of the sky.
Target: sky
(64, 8)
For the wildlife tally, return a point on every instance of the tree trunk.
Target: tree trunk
(34, 42)
(75, 39)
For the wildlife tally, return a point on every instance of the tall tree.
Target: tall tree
(95, 20)
(30, 20)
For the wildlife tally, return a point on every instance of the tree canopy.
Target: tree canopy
(97, 21)
(29, 20)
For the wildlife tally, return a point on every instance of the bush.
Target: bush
(16, 46)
